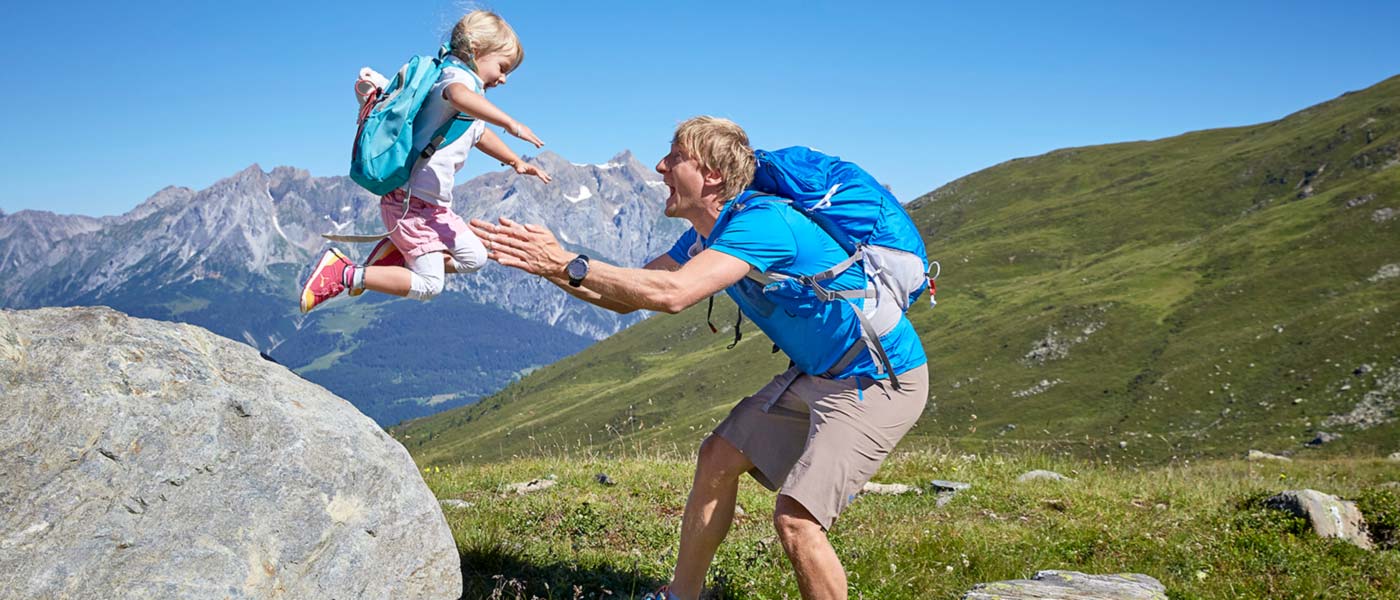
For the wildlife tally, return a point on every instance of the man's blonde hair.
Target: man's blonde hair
(720, 145)
(483, 32)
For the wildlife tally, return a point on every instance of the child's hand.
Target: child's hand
(525, 168)
(519, 130)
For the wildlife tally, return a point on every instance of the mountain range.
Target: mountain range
(1199, 295)
(231, 257)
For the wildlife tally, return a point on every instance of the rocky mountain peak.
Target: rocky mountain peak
(284, 173)
(627, 159)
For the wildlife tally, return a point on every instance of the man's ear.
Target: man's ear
(712, 177)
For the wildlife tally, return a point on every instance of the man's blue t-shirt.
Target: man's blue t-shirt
(769, 235)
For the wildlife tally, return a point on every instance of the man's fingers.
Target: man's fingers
(505, 241)
(515, 263)
(515, 228)
(482, 229)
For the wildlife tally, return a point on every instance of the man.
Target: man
(817, 432)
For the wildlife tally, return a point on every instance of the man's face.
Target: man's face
(683, 177)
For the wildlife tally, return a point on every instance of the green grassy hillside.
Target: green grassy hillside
(1198, 528)
(1192, 296)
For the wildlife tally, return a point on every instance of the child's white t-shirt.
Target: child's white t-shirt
(433, 180)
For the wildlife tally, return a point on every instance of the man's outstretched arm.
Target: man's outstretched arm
(583, 292)
(533, 249)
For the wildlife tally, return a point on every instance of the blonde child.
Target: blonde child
(426, 238)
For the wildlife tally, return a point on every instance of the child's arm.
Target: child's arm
(496, 148)
(477, 106)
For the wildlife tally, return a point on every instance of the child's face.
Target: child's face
(492, 69)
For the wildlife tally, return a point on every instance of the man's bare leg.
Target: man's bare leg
(819, 572)
(708, 513)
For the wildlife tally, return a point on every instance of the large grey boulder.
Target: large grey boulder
(1071, 585)
(144, 459)
(1329, 515)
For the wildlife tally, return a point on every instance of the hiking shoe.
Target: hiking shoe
(660, 594)
(327, 280)
(384, 254)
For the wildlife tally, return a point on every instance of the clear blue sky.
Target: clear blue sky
(108, 102)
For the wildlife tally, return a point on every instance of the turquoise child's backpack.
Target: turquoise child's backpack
(867, 221)
(384, 156)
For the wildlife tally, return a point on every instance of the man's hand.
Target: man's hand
(530, 248)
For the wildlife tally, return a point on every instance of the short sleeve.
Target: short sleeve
(758, 236)
(680, 251)
(454, 74)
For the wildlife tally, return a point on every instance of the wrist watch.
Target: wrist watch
(577, 269)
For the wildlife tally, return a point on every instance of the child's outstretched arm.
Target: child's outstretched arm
(496, 148)
(479, 107)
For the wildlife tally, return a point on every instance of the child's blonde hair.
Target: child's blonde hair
(721, 145)
(484, 32)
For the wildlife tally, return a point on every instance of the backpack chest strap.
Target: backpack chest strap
(766, 278)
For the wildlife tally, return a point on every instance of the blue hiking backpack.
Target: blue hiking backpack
(867, 221)
(384, 156)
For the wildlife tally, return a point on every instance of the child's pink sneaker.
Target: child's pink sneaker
(384, 254)
(327, 279)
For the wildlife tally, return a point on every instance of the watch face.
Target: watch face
(577, 268)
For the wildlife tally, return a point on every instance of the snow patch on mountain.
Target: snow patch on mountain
(583, 194)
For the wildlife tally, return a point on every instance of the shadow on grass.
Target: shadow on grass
(495, 573)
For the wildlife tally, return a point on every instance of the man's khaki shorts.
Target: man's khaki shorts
(823, 439)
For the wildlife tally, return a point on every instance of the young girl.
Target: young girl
(426, 238)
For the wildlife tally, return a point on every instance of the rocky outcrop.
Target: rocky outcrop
(1071, 585)
(145, 459)
(1377, 406)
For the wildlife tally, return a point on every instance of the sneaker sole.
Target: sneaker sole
(307, 297)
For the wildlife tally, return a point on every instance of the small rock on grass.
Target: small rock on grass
(943, 485)
(533, 485)
(1067, 585)
(889, 489)
(1257, 455)
(1330, 516)
(1040, 474)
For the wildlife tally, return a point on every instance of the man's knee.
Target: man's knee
(792, 521)
(719, 460)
